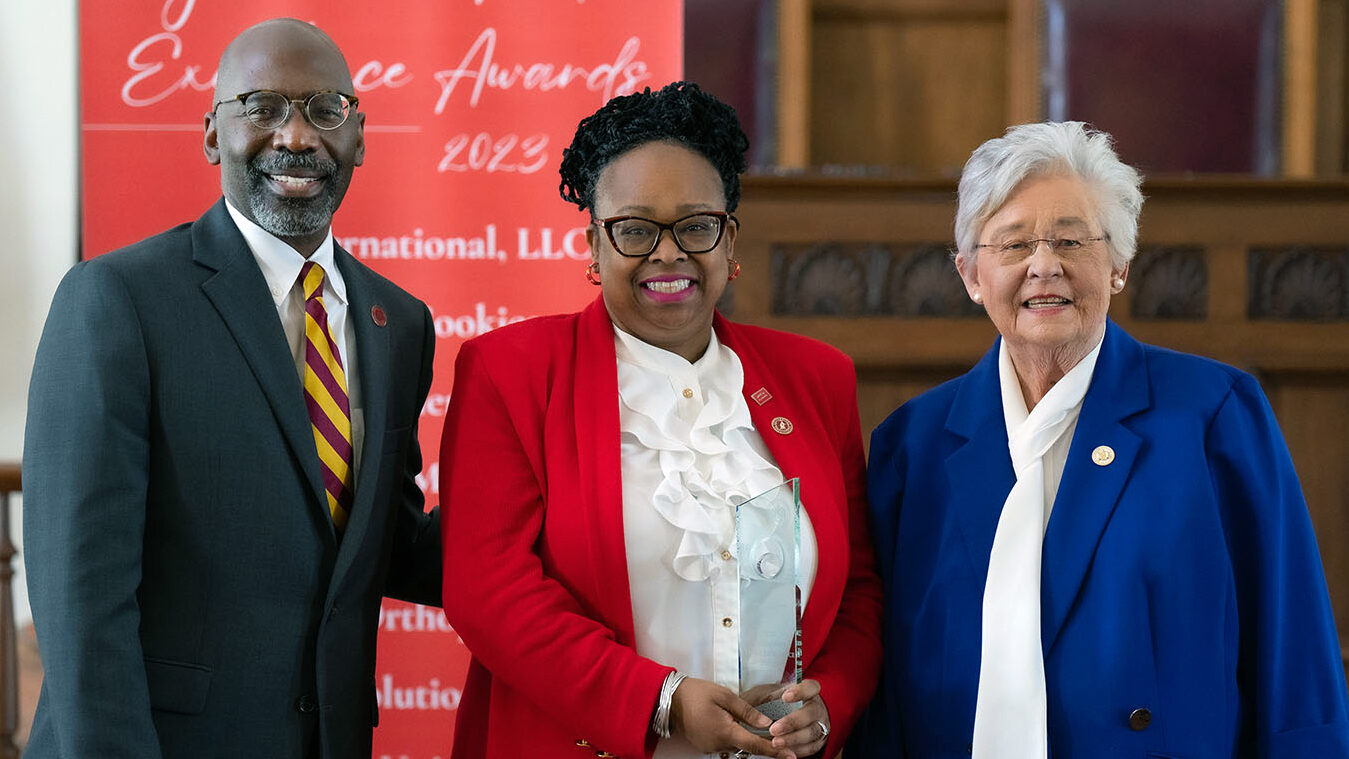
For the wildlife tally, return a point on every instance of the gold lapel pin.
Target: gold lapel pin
(1103, 455)
(761, 396)
(782, 425)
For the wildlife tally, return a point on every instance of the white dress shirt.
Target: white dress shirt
(689, 453)
(280, 265)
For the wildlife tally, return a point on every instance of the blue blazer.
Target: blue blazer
(1182, 578)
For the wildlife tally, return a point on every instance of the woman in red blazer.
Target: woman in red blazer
(572, 541)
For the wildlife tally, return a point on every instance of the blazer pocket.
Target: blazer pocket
(177, 687)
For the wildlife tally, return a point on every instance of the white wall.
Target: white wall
(39, 214)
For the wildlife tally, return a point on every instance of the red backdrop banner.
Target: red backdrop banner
(468, 106)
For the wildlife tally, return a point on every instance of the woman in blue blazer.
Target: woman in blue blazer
(1091, 547)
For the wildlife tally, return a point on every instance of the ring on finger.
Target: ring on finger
(824, 729)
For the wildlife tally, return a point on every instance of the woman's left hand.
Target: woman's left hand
(805, 731)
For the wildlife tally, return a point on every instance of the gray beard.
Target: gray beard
(292, 217)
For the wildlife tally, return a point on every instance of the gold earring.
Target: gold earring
(593, 273)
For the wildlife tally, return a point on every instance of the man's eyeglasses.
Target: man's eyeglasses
(268, 110)
(635, 237)
(1016, 250)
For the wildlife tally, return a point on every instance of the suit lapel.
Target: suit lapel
(240, 295)
(770, 400)
(1089, 492)
(979, 473)
(595, 409)
(372, 358)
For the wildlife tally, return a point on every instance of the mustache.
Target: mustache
(278, 163)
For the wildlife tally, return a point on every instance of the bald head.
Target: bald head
(290, 177)
(273, 46)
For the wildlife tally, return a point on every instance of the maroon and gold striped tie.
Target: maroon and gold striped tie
(325, 394)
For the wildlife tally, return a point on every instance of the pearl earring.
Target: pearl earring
(1118, 282)
(977, 298)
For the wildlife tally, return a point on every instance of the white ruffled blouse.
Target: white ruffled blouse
(689, 454)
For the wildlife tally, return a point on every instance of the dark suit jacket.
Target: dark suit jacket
(1181, 577)
(190, 595)
(535, 552)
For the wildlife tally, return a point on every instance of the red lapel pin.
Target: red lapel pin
(377, 315)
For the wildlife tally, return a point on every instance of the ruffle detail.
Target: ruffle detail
(709, 465)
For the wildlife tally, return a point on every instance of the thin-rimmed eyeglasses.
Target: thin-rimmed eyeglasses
(265, 109)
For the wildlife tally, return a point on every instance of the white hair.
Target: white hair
(1067, 148)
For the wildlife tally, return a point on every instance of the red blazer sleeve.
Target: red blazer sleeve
(520, 623)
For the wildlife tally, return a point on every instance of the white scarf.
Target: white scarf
(1010, 715)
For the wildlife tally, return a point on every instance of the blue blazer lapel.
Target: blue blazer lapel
(240, 295)
(1088, 493)
(372, 357)
(979, 473)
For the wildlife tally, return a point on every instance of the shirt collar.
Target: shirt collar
(637, 351)
(281, 264)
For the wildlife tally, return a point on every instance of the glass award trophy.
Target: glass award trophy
(767, 537)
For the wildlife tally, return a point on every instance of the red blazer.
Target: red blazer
(536, 577)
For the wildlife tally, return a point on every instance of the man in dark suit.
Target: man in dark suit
(221, 450)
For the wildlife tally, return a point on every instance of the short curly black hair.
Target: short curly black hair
(680, 112)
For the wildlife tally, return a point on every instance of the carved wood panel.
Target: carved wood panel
(1299, 283)
(867, 279)
(1168, 282)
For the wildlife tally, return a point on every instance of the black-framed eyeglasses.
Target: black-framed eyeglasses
(636, 237)
(326, 110)
(1015, 250)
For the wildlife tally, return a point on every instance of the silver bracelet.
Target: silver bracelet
(660, 721)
